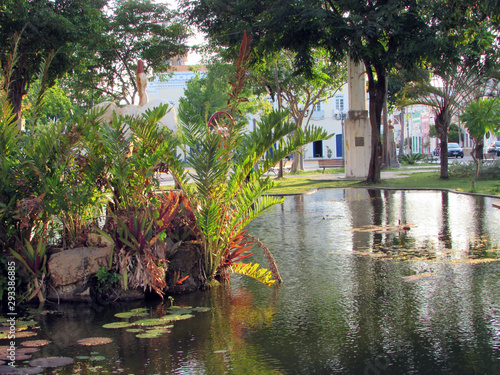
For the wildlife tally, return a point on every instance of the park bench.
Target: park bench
(331, 163)
(430, 158)
(287, 167)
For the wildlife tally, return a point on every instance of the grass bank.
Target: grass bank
(399, 179)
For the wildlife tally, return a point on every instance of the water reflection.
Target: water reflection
(356, 298)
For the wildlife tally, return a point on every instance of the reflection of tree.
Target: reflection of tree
(378, 212)
(227, 349)
(444, 232)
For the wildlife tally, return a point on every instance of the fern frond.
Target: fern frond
(36, 96)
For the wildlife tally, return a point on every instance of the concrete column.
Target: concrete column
(357, 126)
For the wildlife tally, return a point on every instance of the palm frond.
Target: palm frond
(262, 275)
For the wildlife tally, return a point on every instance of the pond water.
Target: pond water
(361, 295)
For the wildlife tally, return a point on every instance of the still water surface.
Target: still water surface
(360, 296)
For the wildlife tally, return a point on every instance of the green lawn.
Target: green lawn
(422, 180)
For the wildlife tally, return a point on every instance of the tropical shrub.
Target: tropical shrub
(411, 158)
(229, 181)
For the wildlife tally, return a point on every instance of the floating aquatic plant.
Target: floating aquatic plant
(148, 335)
(25, 334)
(150, 322)
(130, 314)
(90, 341)
(97, 358)
(51, 362)
(135, 330)
(35, 343)
(118, 325)
(5, 369)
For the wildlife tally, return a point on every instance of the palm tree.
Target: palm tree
(447, 93)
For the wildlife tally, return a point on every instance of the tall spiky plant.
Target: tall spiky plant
(229, 183)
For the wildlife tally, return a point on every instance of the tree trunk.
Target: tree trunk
(442, 123)
(444, 156)
(17, 89)
(478, 149)
(377, 92)
(474, 153)
(402, 125)
(386, 155)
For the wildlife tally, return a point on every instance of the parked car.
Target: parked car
(494, 148)
(454, 150)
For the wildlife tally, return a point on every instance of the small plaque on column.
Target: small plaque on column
(359, 141)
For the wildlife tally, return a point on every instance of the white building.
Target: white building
(327, 114)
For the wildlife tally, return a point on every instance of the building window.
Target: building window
(317, 107)
(339, 104)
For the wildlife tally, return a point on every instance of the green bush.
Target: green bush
(411, 158)
(488, 171)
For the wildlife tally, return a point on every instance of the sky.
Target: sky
(196, 39)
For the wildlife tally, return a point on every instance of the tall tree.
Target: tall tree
(481, 117)
(447, 94)
(134, 30)
(301, 94)
(380, 34)
(43, 26)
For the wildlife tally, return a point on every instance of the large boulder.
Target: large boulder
(72, 274)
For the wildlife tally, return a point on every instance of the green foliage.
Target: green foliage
(481, 117)
(44, 26)
(133, 30)
(228, 186)
(411, 158)
(489, 170)
(34, 260)
(56, 107)
(106, 278)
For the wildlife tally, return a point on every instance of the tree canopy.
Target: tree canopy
(44, 26)
(383, 35)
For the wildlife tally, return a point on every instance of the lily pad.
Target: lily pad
(130, 314)
(201, 309)
(24, 334)
(148, 335)
(19, 357)
(140, 309)
(180, 311)
(51, 362)
(173, 317)
(27, 323)
(82, 357)
(97, 358)
(27, 350)
(20, 370)
(35, 343)
(150, 322)
(118, 325)
(90, 341)
(135, 330)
